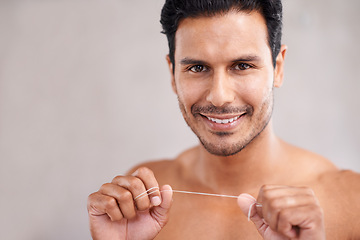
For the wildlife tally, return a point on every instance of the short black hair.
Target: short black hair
(174, 11)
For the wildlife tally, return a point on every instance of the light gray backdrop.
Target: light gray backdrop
(85, 94)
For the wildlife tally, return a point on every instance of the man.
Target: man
(225, 59)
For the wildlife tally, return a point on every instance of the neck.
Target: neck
(249, 169)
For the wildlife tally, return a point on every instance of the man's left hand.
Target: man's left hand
(283, 212)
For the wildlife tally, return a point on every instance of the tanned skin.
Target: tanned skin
(224, 79)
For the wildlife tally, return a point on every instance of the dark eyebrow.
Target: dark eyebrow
(248, 58)
(189, 61)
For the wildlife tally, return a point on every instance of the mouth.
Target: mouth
(223, 121)
(226, 122)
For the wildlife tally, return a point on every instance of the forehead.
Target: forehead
(222, 36)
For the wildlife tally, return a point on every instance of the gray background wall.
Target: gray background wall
(85, 94)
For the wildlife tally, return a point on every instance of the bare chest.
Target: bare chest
(199, 218)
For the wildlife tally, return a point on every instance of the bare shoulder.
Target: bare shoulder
(308, 165)
(162, 169)
(169, 171)
(344, 182)
(324, 173)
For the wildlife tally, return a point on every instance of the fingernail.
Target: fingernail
(155, 201)
(246, 196)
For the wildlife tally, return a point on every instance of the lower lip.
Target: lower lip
(223, 126)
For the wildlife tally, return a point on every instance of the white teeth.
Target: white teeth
(223, 121)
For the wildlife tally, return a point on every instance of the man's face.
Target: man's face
(224, 79)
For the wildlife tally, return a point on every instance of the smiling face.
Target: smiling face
(224, 79)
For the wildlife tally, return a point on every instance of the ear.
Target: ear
(171, 69)
(279, 69)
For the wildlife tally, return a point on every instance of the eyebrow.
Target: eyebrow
(246, 58)
(190, 61)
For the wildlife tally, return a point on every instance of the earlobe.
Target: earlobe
(171, 69)
(279, 69)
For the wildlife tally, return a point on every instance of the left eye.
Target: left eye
(242, 66)
(198, 68)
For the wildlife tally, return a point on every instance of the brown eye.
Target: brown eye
(198, 68)
(242, 66)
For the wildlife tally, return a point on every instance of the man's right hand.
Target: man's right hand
(116, 213)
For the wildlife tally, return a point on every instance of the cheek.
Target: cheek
(189, 92)
(255, 90)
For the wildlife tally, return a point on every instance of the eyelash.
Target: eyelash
(244, 66)
(191, 68)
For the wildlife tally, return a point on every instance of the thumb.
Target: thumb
(161, 213)
(247, 203)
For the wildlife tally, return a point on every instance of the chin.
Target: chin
(223, 151)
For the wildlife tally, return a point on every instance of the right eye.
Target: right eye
(198, 68)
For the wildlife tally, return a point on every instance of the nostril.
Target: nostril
(220, 97)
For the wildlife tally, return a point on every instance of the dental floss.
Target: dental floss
(146, 193)
(249, 213)
(205, 194)
(151, 191)
(155, 189)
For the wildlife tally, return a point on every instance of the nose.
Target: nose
(221, 90)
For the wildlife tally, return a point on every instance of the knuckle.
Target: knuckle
(291, 201)
(264, 188)
(143, 171)
(310, 194)
(92, 199)
(117, 178)
(268, 187)
(125, 196)
(105, 185)
(276, 203)
(110, 203)
(92, 196)
(135, 183)
(266, 194)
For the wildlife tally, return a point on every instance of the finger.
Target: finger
(247, 204)
(268, 191)
(123, 197)
(277, 197)
(161, 212)
(166, 195)
(273, 207)
(150, 182)
(304, 220)
(137, 187)
(101, 205)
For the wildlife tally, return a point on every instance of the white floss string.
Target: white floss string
(146, 193)
(205, 194)
(155, 189)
